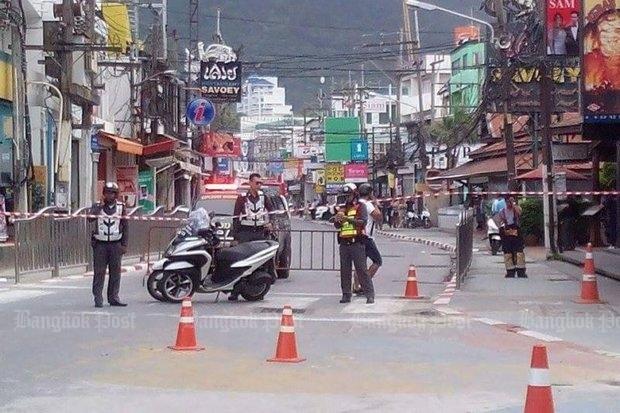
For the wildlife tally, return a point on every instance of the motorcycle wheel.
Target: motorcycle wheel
(255, 292)
(494, 247)
(152, 285)
(176, 286)
(427, 223)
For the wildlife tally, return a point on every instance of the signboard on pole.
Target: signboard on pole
(146, 182)
(221, 81)
(219, 144)
(601, 53)
(127, 180)
(200, 112)
(359, 150)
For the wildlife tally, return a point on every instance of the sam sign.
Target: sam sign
(200, 112)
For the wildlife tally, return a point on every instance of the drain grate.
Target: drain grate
(278, 310)
(559, 279)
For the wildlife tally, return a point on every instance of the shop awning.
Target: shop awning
(160, 163)
(491, 166)
(166, 145)
(537, 174)
(120, 144)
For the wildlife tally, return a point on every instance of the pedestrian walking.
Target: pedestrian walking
(375, 216)
(109, 242)
(251, 220)
(512, 239)
(351, 222)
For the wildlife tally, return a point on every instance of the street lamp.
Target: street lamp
(431, 7)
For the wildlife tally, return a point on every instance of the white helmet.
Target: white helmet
(349, 188)
(110, 187)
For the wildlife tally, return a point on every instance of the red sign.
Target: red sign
(220, 144)
(127, 180)
(356, 172)
(563, 27)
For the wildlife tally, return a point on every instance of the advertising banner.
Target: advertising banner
(224, 166)
(127, 180)
(221, 82)
(220, 144)
(334, 173)
(305, 151)
(292, 169)
(146, 182)
(563, 27)
(339, 132)
(601, 61)
(356, 172)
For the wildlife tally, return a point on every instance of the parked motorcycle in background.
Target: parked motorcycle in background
(495, 240)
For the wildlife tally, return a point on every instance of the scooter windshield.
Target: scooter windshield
(197, 220)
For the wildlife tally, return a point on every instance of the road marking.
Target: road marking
(449, 311)
(380, 307)
(19, 295)
(50, 287)
(4, 280)
(323, 295)
(4, 289)
(280, 302)
(75, 277)
(489, 321)
(51, 280)
(442, 301)
(539, 336)
(607, 353)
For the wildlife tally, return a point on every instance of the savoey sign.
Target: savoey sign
(221, 82)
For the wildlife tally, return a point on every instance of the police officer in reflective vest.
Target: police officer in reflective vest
(109, 241)
(351, 221)
(252, 221)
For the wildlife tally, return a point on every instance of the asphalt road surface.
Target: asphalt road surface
(59, 353)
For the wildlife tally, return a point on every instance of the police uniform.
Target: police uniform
(254, 217)
(109, 239)
(353, 251)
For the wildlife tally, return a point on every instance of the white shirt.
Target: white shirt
(370, 223)
(574, 31)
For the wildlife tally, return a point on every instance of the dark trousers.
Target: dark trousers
(354, 254)
(107, 255)
(247, 234)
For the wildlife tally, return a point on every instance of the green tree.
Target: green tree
(226, 118)
(449, 131)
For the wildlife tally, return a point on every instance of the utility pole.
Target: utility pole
(66, 78)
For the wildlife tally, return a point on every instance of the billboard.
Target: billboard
(334, 173)
(339, 132)
(563, 29)
(146, 182)
(220, 144)
(463, 34)
(221, 82)
(601, 54)
(356, 172)
(127, 180)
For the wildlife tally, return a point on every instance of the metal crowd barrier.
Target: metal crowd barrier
(51, 244)
(314, 250)
(464, 244)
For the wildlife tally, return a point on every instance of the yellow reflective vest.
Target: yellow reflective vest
(349, 229)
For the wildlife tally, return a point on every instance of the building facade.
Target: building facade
(468, 74)
(263, 101)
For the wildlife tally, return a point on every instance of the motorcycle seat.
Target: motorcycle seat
(242, 251)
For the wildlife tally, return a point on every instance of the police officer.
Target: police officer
(251, 222)
(351, 221)
(109, 240)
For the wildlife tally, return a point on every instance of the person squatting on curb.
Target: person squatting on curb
(109, 241)
(375, 216)
(351, 222)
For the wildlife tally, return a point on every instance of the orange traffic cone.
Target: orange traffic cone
(539, 398)
(186, 334)
(286, 349)
(589, 288)
(411, 289)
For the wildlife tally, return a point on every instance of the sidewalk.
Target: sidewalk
(543, 305)
(607, 262)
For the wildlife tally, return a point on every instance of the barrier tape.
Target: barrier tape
(24, 215)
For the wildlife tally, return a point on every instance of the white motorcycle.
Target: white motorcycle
(495, 240)
(193, 264)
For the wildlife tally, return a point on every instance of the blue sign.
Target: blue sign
(94, 142)
(359, 150)
(223, 166)
(200, 112)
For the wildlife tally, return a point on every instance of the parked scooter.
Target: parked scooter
(192, 264)
(413, 220)
(495, 240)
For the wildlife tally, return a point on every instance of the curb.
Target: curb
(578, 263)
(418, 240)
(125, 269)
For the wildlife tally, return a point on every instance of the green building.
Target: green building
(468, 74)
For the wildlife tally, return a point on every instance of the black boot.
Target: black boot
(510, 273)
(521, 273)
(346, 298)
(117, 303)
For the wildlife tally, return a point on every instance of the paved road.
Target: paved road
(58, 353)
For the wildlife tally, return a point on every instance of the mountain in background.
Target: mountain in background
(286, 38)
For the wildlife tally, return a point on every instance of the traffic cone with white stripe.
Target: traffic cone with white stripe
(411, 289)
(589, 288)
(539, 398)
(286, 349)
(186, 334)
